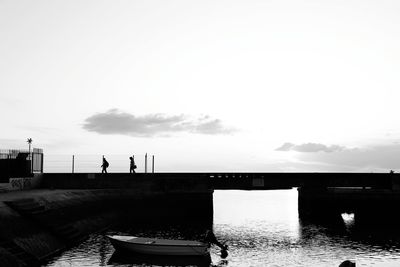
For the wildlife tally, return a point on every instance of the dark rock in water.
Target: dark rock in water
(224, 253)
(347, 263)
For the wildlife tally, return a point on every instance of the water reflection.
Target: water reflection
(103, 249)
(262, 228)
(133, 259)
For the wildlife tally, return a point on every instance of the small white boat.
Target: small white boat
(154, 246)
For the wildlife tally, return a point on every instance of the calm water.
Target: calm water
(262, 228)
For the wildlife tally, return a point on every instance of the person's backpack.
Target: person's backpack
(106, 164)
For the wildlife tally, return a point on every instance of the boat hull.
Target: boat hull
(153, 246)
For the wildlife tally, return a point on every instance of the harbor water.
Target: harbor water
(261, 228)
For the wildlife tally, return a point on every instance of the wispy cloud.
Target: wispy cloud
(115, 121)
(310, 147)
(379, 157)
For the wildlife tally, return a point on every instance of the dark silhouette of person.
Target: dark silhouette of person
(104, 166)
(132, 165)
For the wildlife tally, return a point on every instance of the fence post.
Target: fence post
(145, 163)
(8, 165)
(41, 163)
(152, 164)
(32, 162)
(73, 163)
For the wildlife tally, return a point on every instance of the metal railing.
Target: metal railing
(90, 163)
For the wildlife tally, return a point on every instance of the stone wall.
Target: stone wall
(38, 223)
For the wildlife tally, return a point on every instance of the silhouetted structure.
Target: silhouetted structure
(20, 163)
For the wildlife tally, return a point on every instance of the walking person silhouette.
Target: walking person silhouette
(104, 166)
(132, 166)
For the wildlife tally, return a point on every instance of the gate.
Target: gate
(20, 163)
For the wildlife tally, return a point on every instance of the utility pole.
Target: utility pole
(73, 163)
(152, 164)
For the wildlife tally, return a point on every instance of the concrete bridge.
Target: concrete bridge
(320, 195)
(224, 181)
(266, 181)
(64, 208)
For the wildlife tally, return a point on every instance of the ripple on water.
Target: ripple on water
(263, 235)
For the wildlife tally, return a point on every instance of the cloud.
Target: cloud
(373, 158)
(310, 147)
(379, 157)
(118, 122)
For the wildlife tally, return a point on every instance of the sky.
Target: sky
(205, 86)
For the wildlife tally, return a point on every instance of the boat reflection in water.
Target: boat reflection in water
(155, 246)
(121, 257)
